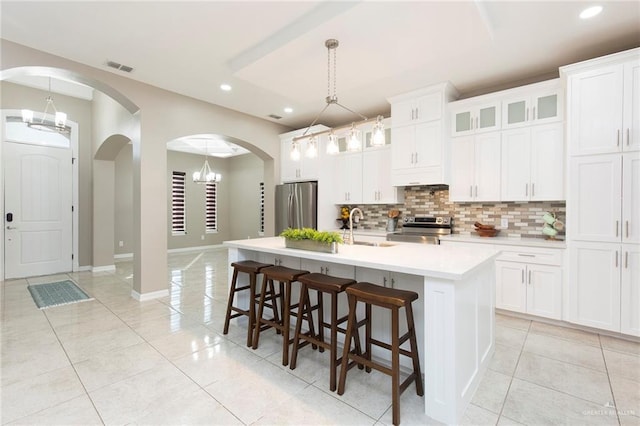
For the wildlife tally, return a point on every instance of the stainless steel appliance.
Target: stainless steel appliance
(296, 205)
(425, 230)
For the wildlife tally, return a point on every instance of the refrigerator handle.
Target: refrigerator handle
(290, 207)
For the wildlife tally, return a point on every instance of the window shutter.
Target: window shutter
(211, 205)
(178, 206)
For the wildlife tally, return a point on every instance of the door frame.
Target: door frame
(74, 179)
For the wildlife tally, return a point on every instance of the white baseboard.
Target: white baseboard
(123, 256)
(149, 296)
(107, 268)
(84, 268)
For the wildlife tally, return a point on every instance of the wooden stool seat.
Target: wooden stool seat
(393, 299)
(252, 268)
(282, 323)
(322, 284)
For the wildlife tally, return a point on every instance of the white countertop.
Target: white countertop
(447, 262)
(507, 241)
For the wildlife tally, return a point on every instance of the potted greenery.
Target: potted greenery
(311, 239)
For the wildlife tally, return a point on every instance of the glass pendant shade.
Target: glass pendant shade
(206, 175)
(312, 148)
(332, 144)
(295, 151)
(61, 119)
(27, 116)
(353, 142)
(378, 137)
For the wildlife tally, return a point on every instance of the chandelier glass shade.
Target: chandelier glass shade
(332, 144)
(205, 174)
(59, 123)
(377, 136)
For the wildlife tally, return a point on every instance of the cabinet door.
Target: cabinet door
(487, 117)
(631, 197)
(403, 112)
(631, 120)
(594, 285)
(462, 168)
(595, 192)
(387, 193)
(511, 286)
(596, 111)
(487, 167)
(428, 107)
(516, 161)
(547, 107)
(371, 171)
(515, 112)
(547, 162)
(544, 291)
(403, 147)
(348, 178)
(462, 122)
(630, 290)
(288, 167)
(428, 145)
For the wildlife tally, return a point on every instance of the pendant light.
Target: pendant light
(60, 118)
(377, 135)
(332, 144)
(206, 175)
(353, 143)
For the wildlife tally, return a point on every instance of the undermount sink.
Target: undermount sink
(373, 244)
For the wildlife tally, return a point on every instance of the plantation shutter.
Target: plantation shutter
(211, 205)
(178, 206)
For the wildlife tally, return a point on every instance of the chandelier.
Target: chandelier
(206, 175)
(60, 118)
(354, 142)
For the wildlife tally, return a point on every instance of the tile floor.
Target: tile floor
(116, 361)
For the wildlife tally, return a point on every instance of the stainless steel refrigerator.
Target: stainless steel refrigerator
(296, 206)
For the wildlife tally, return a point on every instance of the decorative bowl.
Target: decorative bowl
(484, 232)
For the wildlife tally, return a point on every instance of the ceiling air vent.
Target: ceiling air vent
(275, 117)
(119, 67)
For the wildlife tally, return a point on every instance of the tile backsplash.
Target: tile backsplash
(525, 218)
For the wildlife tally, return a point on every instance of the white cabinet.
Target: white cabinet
(420, 109)
(533, 163)
(475, 167)
(604, 286)
(303, 168)
(347, 182)
(605, 198)
(604, 108)
(376, 178)
(537, 105)
(420, 150)
(467, 119)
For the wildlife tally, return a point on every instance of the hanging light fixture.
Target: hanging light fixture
(312, 147)
(353, 143)
(60, 118)
(295, 151)
(377, 135)
(206, 175)
(331, 99)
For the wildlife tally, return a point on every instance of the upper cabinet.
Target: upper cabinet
(304, 167)
(468, 119)
(420, 153)
(534, 106)
(604, 106)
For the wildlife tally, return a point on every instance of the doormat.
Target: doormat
(57, 293)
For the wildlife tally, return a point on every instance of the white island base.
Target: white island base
(456, 287)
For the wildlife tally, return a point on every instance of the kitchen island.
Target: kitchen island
(455, 324)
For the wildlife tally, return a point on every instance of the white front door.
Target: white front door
(38, 210)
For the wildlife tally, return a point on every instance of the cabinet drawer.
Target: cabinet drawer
(530, 255)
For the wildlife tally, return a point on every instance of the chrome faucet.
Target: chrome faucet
(355, 210)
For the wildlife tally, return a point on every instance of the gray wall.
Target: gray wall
(245, 174)
(123, 201)
(18, 97)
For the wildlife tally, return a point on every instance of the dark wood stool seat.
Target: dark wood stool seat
(393, 299)
(285, 277)
(322, 284)
(252, 268)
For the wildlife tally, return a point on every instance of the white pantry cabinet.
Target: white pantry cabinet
(348, 178)
(420, 151)
(467, 119)
(533, 163)
(604, 107)
(605, 198)
(604, 286)
(475, 167)
(537, 104)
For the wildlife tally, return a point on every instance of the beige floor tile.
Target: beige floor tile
(78, 411)
(511, 337)
(185, 342)
(31, 395)
(82, 346)
(566, 333)
(629, 420)
(530, 404)
(478, 416)
(492, 391)
(154, 328)
(620, 345)
(411, 411)
(77, 313)
(512, 322)
(581, 382)
(627, 395)
(504, 359)
(623, 365)
(564, 350)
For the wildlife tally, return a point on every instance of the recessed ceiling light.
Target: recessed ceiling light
(288, 110)
(590, 12)
(225, 87)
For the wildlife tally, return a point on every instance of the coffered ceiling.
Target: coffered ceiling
(273, 53)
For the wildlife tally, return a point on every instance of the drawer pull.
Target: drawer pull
(526, 255)
(626, 259)
(523, 276)
(529, 277)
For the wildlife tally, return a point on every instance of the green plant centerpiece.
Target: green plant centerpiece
(311, 239)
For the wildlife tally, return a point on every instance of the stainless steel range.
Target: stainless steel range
(425, 230)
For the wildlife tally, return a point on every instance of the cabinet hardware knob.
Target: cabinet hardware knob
(526, 116)
(628, 137)
(393, 282)
(627, 228)
(534, 113)
(470, 190)
(476, 190)
(526, 189)
(322, 269)
(616, 258)
(533, 189)
(626, 259)
(326, 270)
(384, 281)
(523, 276)
(529, 277)
(617, 227)
(618, 138)
(416, 158)
(526, 255)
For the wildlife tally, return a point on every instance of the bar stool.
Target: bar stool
(322, 284)
(253, 269)
(285, 276)
(392, 299)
